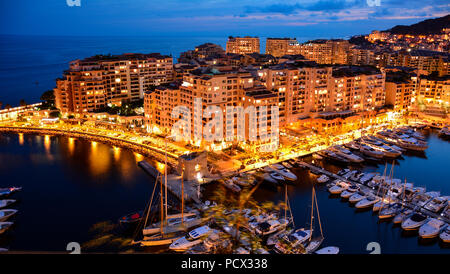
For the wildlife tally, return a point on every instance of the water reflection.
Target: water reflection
(85, 183)
(99, 159)
(21, 141)
(116, 151)
(47, 144)
(71, 145)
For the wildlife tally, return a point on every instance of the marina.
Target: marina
(307, 170)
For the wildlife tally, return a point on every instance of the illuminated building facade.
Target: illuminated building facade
(243, 45)
(97, 81)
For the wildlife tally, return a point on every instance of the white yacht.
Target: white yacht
(323, 179)
(349, 191)
(338, 187)
(422, 199)
(5, 203)
(271, 226)
(293, 240)
(255, 220)
(6, 213)
(382, 203)
(274, 238)
(386, 150)
(358, 196)
(270, 179)
(314, 244)
(389, 211)
(172, 221)
(369, 151)
(343, 152)
(277, 176)
(445, 235)
(437, 204)
(328, 250)
(367, 202)
(412, 144)
(283, 171)
(431, 229)
(4, 226)
(194, 237)
(402, 216)
(414, 222)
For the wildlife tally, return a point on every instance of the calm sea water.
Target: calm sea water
(29, 65)
(68, 187)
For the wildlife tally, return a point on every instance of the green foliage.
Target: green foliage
(48, 98)
(107, 236)
(229, 212)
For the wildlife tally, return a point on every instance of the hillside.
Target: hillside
(429, 26)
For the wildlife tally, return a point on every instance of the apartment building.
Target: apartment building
(326, 51)
(434, 90)
(279, 47)
(357, 89)
(425, 61)
(211, 86)
(399, 90)
(243, 45)
(97, 81)
(309, 90)
(361, 56)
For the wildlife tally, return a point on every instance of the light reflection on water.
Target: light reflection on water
(68, 185)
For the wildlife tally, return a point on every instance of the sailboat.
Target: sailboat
(171, 227)
(316, 242)
(383, 190)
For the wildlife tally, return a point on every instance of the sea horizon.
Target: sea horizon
(30, 64)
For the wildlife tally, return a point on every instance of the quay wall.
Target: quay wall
(145, 150)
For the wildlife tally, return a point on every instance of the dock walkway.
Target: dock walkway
(174, 183)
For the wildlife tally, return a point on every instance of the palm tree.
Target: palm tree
(228, 211)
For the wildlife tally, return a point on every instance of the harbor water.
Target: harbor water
(70, 184)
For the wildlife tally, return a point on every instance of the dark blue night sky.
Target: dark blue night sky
(327, 18)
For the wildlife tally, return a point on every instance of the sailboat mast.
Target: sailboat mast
(182, 196)
(285, 202)
(165, 171)
(312, 214)
(392, 178)
(404, 193)
(162, 208)
(318, 213)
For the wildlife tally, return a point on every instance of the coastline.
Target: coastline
(145, 150)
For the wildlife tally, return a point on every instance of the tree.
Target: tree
(22, 103)
(49, 99)
(229, 212)
(1, 105)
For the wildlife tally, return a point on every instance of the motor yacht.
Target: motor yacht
(358, 196)
(367, 202)
(338, 187)
(414, 222)
(194, 237)
(349, 191)
(431, 229)
(437, 204)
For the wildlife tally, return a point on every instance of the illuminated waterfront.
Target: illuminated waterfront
(71, 184)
